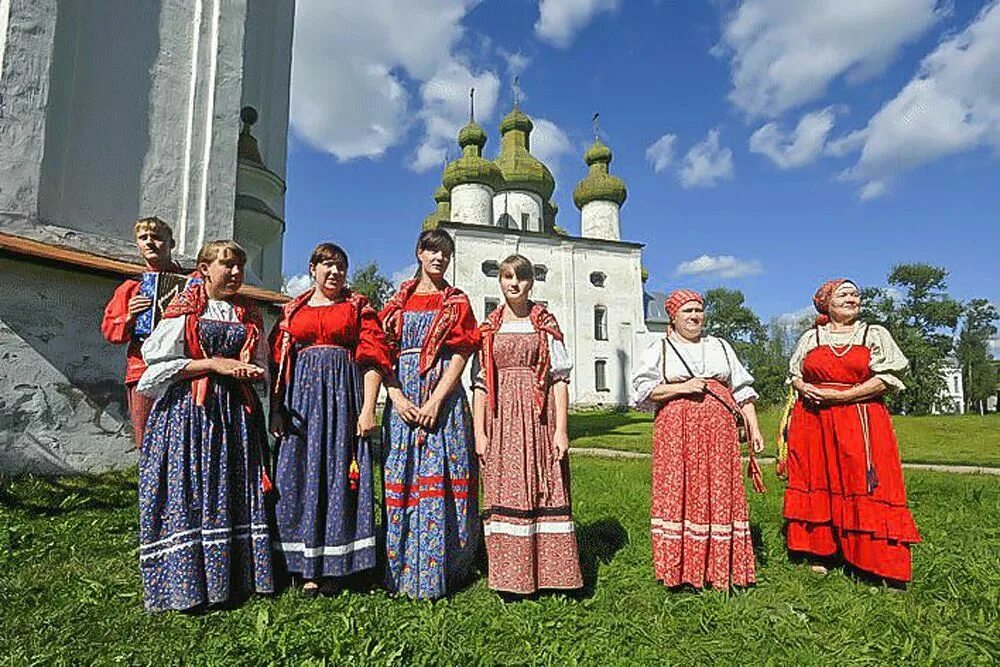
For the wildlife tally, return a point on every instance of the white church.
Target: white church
(592, 282)
(111, 111)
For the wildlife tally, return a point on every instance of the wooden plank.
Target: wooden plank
(56, 254)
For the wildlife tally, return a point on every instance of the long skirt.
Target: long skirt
(203, 529)
(700, 519)
(828, 508)
(138, 411)
(325, 528)
(431, 482)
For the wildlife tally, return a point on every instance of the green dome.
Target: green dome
(599, 185)
(521, 170)
(442, 195)
(472, 135)
(441, 214)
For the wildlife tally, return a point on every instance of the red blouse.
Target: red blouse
(116, 329)
(338, 324)
(464, 337)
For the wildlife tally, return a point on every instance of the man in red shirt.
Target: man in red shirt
(155, 242)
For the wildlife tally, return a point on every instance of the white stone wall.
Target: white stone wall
(472, 203)
(517, 204)
(569, 295)
(600, 220)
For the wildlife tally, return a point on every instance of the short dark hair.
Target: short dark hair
(436, 240)
(327, 251)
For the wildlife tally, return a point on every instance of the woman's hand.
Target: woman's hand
(811, 393)
(756, 440)
(405, 408)
(235, 368)
(138, 304)
(427, 414)
(482, 445)
(694, 386)
(277, 422)
(366, 423)
(560, 441)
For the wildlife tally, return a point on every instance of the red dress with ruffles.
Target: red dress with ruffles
(828, 505)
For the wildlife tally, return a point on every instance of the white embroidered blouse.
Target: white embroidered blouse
(560, 361)
(164, 355)
(887, 360)
(710, 357)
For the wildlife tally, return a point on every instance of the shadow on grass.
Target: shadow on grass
(46, 497)
(599, 542)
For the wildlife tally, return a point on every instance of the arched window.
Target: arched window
(491, 268)
(541, 272)
(597, 278)
(600, 323)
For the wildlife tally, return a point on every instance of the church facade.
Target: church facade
(591, 282)
(111, 111)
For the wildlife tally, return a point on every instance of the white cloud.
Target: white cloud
(799, 147)
(951, 106)
(517, 62)
(297, 284)
(405, 273)
(349, 62)
(445, 110)
(661, 152)
(560, 20)
(721, 266)
(784, 53)
(549, 143)
(706, 163)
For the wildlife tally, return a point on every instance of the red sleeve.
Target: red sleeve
(372, 349)
(464, 336)
(274, 343)
(115, 325)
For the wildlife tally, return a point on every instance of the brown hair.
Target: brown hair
(211, 251)
(327, 251)
(436, 240)
(154, 225)
(521, 266)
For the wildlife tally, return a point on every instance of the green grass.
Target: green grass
(70, 593)
(956, 439)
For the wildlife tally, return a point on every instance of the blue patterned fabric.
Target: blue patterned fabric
(203, 529)
(431, 488)
(324, 528)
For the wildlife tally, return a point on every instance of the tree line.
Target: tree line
(933, 329)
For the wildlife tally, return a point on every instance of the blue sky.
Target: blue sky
(766, 144)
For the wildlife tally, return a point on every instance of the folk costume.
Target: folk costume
(116, 329)
(700, 519)
(203, 529)
(527, 516)
(431, 477)
(324, 478)
(845, 490)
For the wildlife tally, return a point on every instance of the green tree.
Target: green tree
(727, 316)
(922, 317)
(973, 352)
(368, 281)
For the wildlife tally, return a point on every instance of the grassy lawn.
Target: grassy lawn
(70, 593)
(959, 439)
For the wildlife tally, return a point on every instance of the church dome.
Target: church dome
(471, 167)
(442, 195)
(599, 185)
(521, 170)
(472, 135)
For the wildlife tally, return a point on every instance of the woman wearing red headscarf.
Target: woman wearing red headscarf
(845, 489)
(699, 390)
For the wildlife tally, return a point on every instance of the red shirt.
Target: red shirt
(464, 335)
(118, 330)
(339, 324)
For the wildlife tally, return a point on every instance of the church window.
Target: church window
(490, 306)
(491, 268)
(601, 375)
(506, 221)
(600, 323)
(541, 272)
(597, 279)
(525, 219)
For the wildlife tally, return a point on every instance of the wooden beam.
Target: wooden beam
(92, 263)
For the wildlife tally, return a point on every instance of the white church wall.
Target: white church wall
(600, 220)
(524, 210)
(471, 204)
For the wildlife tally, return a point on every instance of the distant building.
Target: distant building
(952, 397)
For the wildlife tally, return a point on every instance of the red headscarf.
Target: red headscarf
(678, 298)
(823, 296)
(444, 320)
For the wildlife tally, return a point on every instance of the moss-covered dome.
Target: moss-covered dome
(442, 194)
(472, 167)
(472, 135)
(599, 185)
(521, 170)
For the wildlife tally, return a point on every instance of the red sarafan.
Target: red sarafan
(845, 489)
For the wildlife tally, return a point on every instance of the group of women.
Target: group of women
(217, 524)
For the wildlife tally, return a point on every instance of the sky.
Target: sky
(767, 145)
